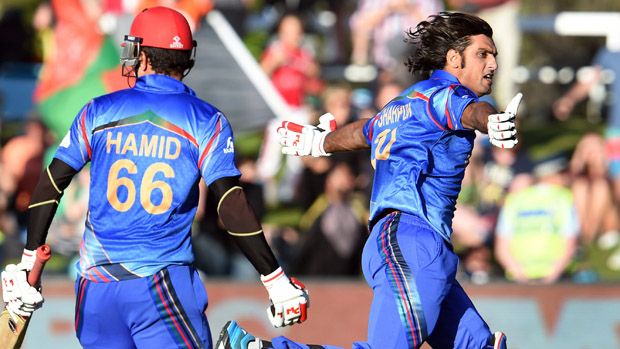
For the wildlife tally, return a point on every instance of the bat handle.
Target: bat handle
(44, 253)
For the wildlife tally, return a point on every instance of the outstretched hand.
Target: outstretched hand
(501, 127)
(302, 140)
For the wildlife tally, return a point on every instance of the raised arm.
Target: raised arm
(323, 139)
(476, 116)
(349, 137)
(501, 127)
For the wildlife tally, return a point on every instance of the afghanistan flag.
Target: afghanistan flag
(83, 64)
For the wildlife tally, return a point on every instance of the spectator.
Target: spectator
(336, 99)
(597, 161)
(22, 157)
(377, 36)
(538, 227)
(334, 228)
(295, 73)
(604, 64)
(592, 189)
(492, 174)
(292, 66)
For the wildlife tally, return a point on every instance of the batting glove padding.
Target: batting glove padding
(289, 299)
(501, 127)
(302, 140)
(19, 297)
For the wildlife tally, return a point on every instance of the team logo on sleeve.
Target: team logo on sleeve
(66, 141)
(230, 147)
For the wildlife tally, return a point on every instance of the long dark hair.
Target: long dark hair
(440, 33)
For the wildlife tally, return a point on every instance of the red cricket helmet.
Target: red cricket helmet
(162, 27)
(159, 27)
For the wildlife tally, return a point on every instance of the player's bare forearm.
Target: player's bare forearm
(348, 137)
(476, 116)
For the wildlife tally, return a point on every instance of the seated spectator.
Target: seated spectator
(538, 227)
(596, 162)
(337, 100)
(378, 30)
(593, 189)
(334, 228)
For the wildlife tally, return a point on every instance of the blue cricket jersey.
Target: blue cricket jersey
(148, 147)
(420, 149)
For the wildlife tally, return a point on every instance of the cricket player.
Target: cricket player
(148, 147)
(420, 145)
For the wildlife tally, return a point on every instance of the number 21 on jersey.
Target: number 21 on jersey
(382, 150)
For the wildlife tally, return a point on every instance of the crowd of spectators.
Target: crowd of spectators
(520, 218)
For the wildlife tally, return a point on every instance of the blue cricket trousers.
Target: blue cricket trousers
(416, 297)
(165, 310)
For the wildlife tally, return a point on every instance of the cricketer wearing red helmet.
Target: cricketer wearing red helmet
(148, 147)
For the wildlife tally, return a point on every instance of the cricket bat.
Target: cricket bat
(12, 332)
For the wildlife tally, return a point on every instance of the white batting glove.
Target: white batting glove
(502, 128)
(302, 140)
(289, 299)
(19, 296)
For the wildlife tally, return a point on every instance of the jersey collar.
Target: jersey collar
(159, 83)
(444, 75)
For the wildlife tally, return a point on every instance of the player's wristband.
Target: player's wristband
(321, 145)
(274, 278)
(28, 259)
